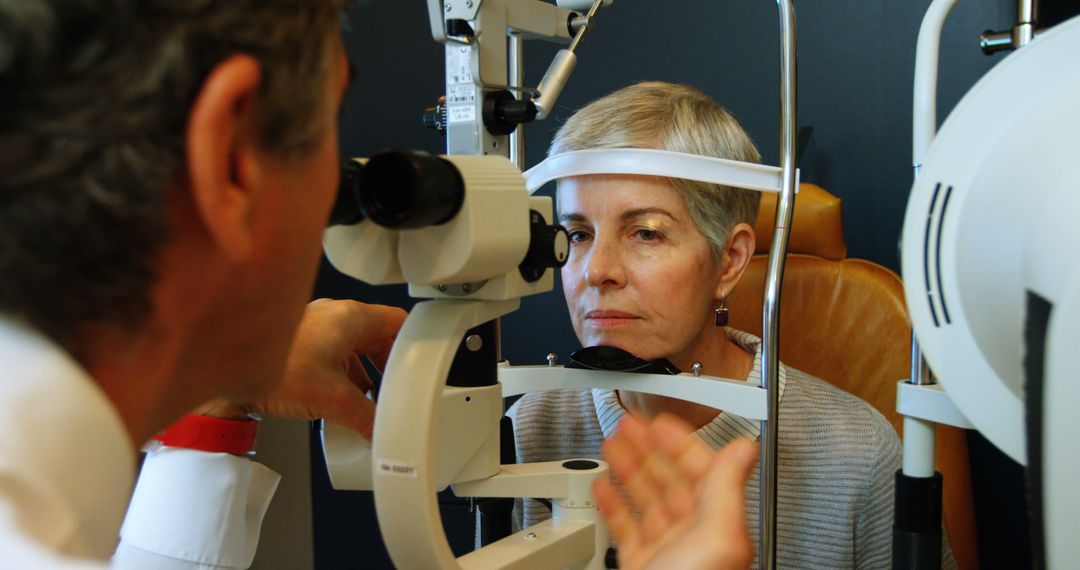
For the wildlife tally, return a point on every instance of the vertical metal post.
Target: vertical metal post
(516, 64)
(770, 352)
(1027, 17)
(920, 370)
(924, 127)
(918, 497)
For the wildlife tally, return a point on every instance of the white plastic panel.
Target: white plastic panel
(652, 162)
(1061, 432)
(1010, 142)
(929, 402)
(734, 396)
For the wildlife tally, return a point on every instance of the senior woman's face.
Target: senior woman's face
(640, 275)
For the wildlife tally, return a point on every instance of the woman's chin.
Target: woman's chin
(617, 341)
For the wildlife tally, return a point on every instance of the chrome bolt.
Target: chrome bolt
(696, 369)
(552, 358)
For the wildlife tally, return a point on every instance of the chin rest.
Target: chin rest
(615, 359)
(845, 321)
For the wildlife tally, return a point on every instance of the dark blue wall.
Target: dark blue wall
(855, 80)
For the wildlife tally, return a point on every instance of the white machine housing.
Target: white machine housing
(480, 246)
(992, 218)
(1003, 153)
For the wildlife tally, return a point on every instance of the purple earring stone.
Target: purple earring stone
(722, 317)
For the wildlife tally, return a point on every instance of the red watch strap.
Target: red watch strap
(205, 433)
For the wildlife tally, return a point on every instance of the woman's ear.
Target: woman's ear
(737, 254)
(222, 154)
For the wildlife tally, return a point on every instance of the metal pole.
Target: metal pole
(920, 370)
(917, 494)
(1027, 17)
(774, 278)
(516, 73)
(924, 127)
(1021, 34)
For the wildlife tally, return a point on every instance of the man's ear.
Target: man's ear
(222, 156)
(737, 254)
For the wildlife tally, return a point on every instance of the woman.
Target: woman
(652, 261)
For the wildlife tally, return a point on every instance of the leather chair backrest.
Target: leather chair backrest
(817, 228)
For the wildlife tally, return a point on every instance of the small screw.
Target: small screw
(466, 288)
(473, 342)
(448, 7)
(468, 4)
(441, 288)
(530, 536)
(552, 358)
(696, 369)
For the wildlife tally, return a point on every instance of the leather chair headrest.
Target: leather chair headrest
(816, 230)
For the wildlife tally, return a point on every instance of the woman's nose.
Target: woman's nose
(604, 267)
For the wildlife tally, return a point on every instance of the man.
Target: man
(166, 172)
(166, 169)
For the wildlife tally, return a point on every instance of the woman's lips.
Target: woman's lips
(609, 319)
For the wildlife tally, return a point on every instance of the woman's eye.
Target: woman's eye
(647, 235)
(577, 236)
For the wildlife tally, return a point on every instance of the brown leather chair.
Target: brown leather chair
(845, 321)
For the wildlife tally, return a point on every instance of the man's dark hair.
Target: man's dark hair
(94, 100)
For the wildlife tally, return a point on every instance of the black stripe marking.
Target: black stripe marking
(926, 254)
(937, 256)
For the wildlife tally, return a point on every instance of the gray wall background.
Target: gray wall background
(855, 81)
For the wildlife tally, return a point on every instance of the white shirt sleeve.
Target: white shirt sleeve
(195, 510)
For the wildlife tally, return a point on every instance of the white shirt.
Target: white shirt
(67, 466)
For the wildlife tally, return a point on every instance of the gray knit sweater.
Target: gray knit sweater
(837, 459)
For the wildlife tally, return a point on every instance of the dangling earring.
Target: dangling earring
(722, 313)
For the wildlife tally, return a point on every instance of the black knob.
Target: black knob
(411, 189)
(435, 117)
(347, 209)
(503, 112)
(549, 246)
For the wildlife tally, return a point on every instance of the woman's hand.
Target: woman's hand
(324, 377)
(682, 505)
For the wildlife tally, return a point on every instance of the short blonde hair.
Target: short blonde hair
(680, 118)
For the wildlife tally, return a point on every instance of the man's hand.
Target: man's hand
(324, 377)
(691, 500)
